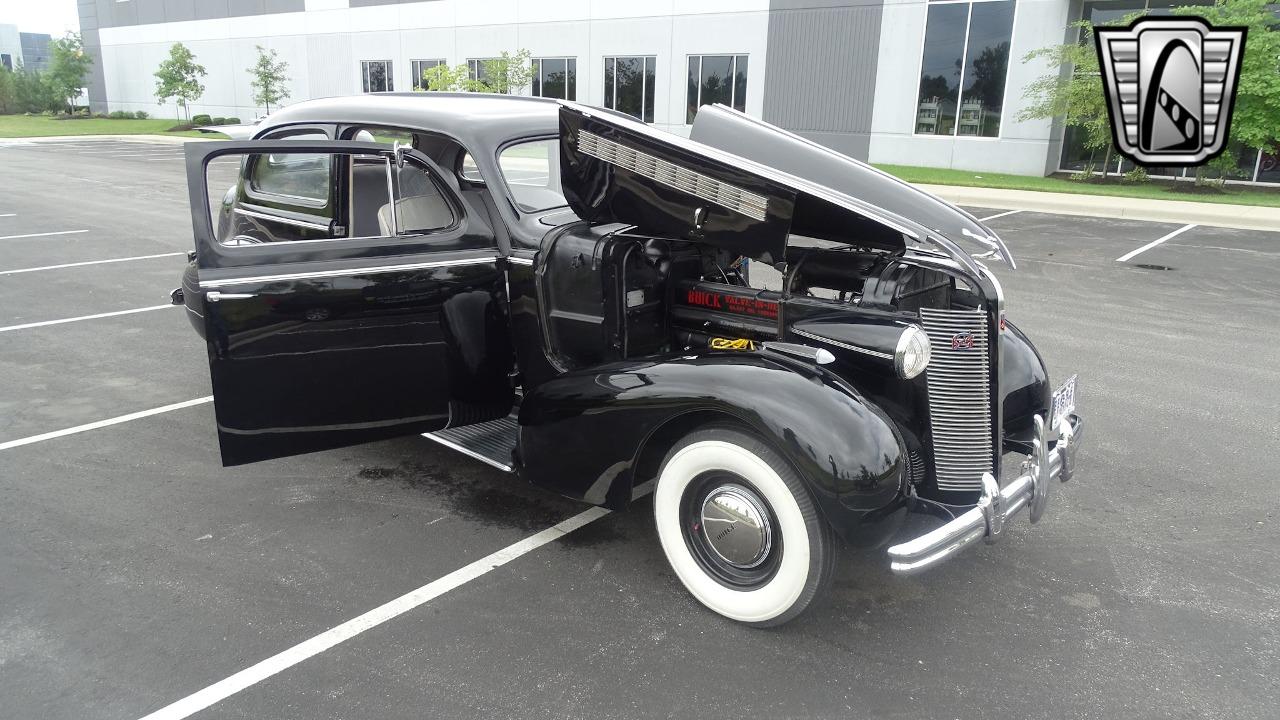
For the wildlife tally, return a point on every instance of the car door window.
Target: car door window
(287, 196)
(421, 206)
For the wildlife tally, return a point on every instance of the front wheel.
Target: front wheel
(740, 529)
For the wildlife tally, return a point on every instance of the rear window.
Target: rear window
(532, 172)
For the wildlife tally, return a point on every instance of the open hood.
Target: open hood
(617, 169)
(734, 132)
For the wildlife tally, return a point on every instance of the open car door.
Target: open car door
(349, 296)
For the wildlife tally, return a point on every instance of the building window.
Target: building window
(376, 76)
(555, 78)
(629, 85)
(478, 71)
(419, 68)
(963, 68)
(716, 79)
(7, 60)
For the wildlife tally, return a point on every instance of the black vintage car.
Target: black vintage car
(791, 349)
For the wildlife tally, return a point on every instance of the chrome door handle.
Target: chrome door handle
(215, 296)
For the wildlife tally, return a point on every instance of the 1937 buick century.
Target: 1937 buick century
(571, 296)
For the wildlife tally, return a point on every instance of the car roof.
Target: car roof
(475, 119)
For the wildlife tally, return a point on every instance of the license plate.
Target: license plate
(1064, 402)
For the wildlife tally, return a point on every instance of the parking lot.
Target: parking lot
(136, 573)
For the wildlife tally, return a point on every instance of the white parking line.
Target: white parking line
(1153, 243)
(102, 423)
(87, 262)
(60, 232)
(7, 214)
(84, 317)
(998, 215)
(254, 674)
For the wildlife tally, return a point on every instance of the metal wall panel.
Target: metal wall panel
(820, 78)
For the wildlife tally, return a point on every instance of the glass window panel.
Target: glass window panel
(537, 78)
(1106, 13)
(419, 68)
(691, 106)
(940, 69)
(985, 68)
(630, 79)
(532, 172)
(650, 80)
(1269, 169)
(554, 78)
(609, 87)
(740, 83)
(1075, 156)
(717, 80)
(571, 87)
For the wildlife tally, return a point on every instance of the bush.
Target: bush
(141, 115)
(1137, 175)
(202, 119)
(103, 116)
(183, 127)
(233, 121)
(219, 121)
(120, 115)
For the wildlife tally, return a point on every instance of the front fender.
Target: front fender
(583, 433)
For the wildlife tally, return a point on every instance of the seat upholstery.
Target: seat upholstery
(415, 213)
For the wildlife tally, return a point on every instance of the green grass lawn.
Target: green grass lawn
(44, 126)
(1154, 189)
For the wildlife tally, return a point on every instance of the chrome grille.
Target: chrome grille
(683, 179)
(959, 397)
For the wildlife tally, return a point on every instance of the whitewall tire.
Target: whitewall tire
(740, 529)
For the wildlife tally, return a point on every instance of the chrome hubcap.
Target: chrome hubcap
(735, 522)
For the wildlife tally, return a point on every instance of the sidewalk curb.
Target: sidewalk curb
(1244, 217)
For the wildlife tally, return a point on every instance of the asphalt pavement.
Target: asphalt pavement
(135, 571)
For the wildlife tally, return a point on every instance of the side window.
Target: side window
(421, 205)
(298, 177)
(303, 178)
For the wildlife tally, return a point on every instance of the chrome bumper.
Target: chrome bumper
(987, 518)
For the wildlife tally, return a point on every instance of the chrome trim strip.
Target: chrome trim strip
(345, 272)
(285, 220)
(528, 262)
(846, 346)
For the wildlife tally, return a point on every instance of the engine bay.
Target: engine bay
(609, 296)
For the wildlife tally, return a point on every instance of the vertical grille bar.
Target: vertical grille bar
(958, 378)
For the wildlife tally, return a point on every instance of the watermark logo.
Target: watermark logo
(1170, 85)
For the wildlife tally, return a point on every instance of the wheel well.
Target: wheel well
(660, 442)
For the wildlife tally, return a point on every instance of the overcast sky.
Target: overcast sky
(43, 16)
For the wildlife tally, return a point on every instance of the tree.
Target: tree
(270, 78)
(1255, 120)
(504, 74)
(1072, 92)
(8, 92)
(443, 78)
(179, 77)
(68, 64)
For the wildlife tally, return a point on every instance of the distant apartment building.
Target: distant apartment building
(935, 83)
(23, 49)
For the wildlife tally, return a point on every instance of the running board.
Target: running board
(489, 442)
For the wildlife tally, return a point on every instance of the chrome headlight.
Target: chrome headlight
(912, 354)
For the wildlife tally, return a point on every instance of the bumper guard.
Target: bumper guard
(997, 505)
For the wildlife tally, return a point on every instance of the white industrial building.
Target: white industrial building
(909, 82)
